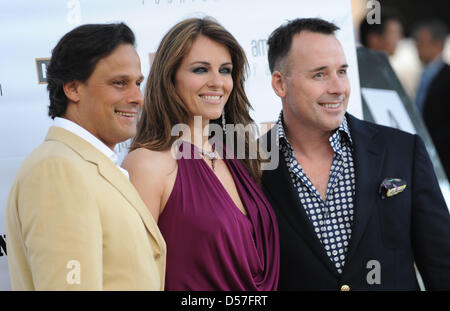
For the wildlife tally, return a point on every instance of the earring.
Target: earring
(224, 122)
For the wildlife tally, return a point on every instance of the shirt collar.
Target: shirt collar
(339, 137)
(90, 138)
(434, 66)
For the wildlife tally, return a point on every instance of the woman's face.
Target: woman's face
(204, 80)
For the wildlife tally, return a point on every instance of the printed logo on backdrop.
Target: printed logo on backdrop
(175, 2)
(41, 67)
(259, 48)
(3, 245)
(73, 18)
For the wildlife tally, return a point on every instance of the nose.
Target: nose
(135, 95)
(215, 80)
(338, 84)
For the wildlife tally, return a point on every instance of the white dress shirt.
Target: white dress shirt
(94, 141)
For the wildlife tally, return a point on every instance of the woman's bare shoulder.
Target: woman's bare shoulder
(150, 161)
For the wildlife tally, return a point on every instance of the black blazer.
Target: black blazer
(413, 226)
(436, 114)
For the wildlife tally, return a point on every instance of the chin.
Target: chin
(127, 135)
(331, 125)
(213, 116)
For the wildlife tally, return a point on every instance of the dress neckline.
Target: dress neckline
(219, 182)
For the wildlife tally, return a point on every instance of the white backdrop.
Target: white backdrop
(30, 29)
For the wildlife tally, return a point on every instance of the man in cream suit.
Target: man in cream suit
(74, 221)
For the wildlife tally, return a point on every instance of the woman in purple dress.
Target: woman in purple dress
(220, 230)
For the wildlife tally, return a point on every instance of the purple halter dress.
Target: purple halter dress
(211, 244)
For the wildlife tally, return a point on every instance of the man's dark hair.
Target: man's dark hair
(76, 55)
(437, 29)
(386, 15)
(280, 39)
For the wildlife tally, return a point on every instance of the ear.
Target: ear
(279, 83)
(72, 91)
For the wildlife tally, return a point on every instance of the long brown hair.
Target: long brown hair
(163, 107)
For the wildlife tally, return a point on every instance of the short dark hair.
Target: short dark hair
(75, 56)
(365, 29)
(437, 29)
(280, 39)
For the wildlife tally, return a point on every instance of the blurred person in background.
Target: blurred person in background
(385, 35)
(388, 37)
(434, 88)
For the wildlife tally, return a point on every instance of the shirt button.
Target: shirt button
(345, 288)
(335, 252)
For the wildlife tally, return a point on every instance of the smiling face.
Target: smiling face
(203, 80)
(109, 102)
(313, 83)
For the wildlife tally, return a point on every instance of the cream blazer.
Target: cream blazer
(75, 222)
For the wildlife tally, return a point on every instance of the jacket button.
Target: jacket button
(345, 288)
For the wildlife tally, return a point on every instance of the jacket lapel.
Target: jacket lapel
(279, 185)
(368, 158)
(108, 170)
(117, 179)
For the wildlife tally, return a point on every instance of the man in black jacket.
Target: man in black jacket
(357, 204)
(434, 88)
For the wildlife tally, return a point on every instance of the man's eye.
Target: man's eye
(120, 83)
(319, 75)
(343, 71)
(200, 70)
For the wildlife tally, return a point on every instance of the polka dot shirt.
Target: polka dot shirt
(332, 219)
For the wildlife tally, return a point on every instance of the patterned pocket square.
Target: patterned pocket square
(391, 186)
